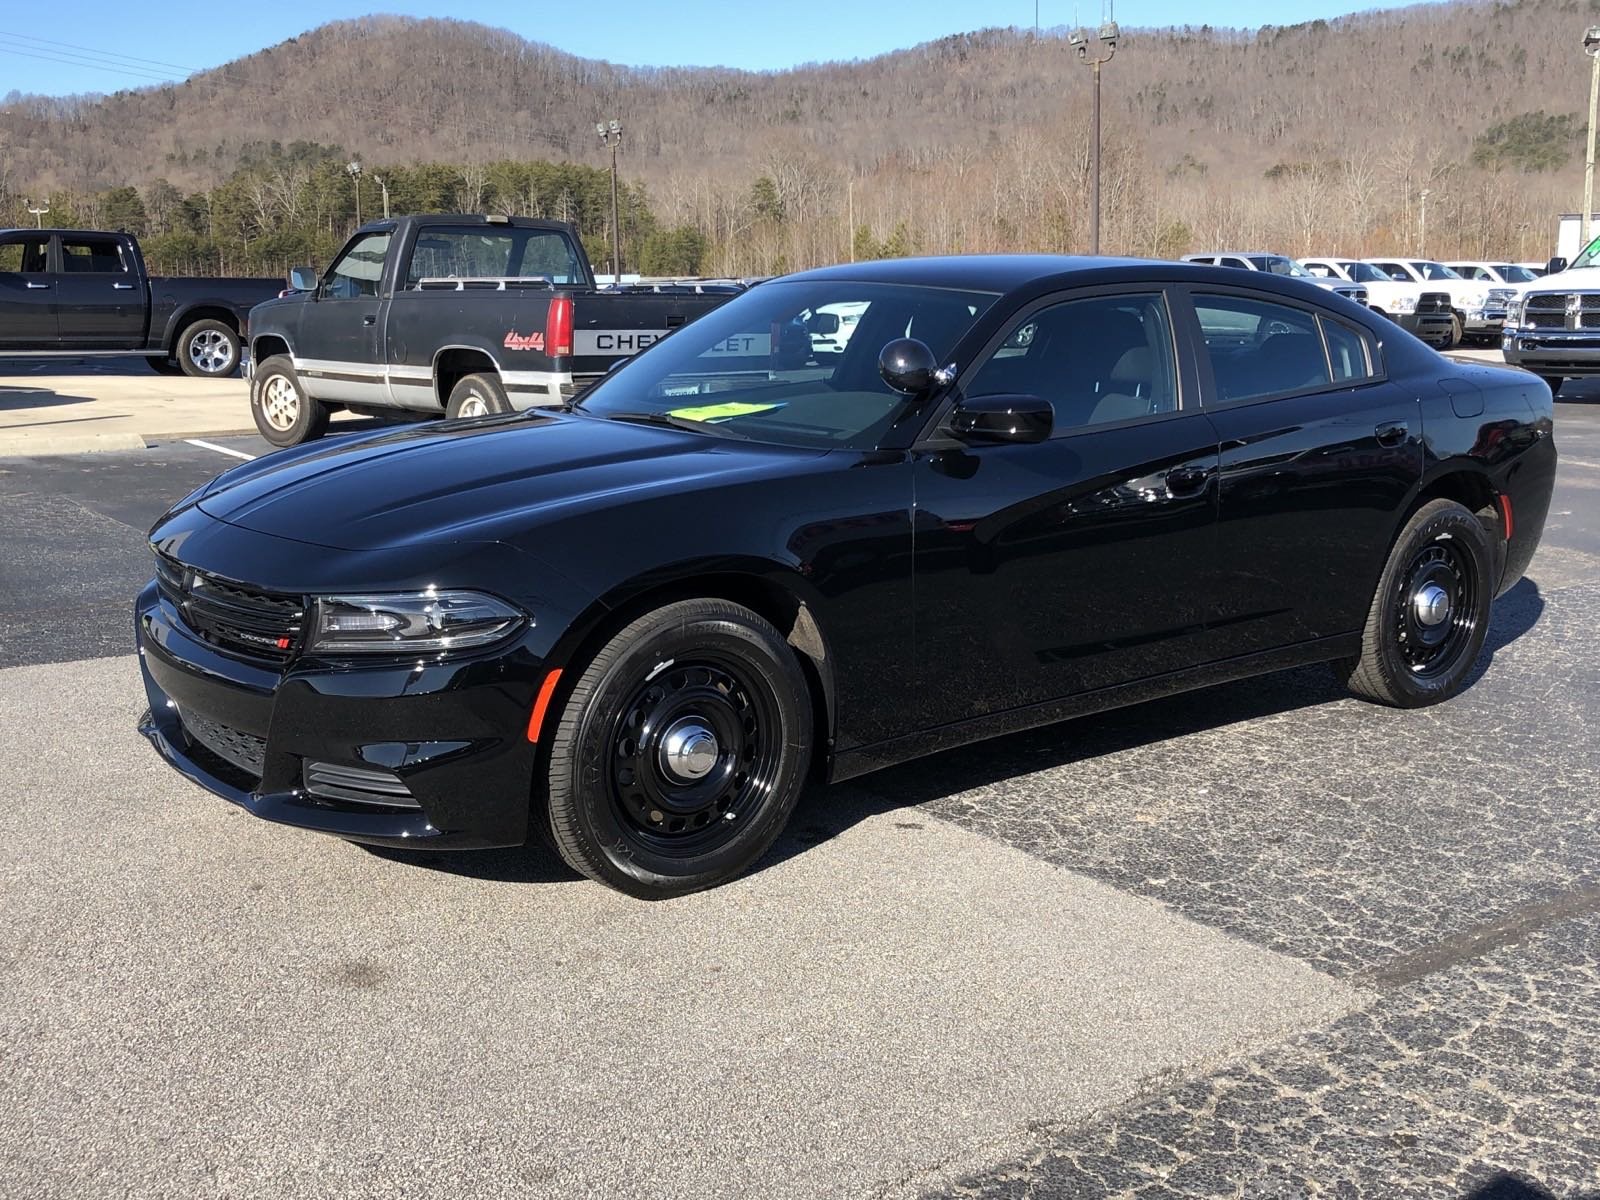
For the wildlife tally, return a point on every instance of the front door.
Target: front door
(1083, 561)
(100, 297)
(339, 355)
(27, 293)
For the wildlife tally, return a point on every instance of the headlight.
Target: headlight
(1405, 304)
(401, 623)
(1514, 311)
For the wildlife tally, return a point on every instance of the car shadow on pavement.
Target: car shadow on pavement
(1504, 1185)
(32, 397)
(825, 812)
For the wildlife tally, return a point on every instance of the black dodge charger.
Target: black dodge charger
(1026, 488)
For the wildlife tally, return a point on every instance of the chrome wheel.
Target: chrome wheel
(474, 406)
(1437, 605)
(280, 402)
(211, 351)
(693, 753)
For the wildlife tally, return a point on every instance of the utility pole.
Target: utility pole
(850, 207)
(1591, 47)
(38, 213)
(1422, 226)
(355, 178)
(1106, 46)
(611, 135)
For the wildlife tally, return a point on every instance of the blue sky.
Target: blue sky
(173, 35)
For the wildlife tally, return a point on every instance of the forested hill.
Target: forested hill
(1213, 128)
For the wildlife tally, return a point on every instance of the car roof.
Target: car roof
(1238, 254)
(1009, 272)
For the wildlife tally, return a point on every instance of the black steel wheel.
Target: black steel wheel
(1430, 613)
(681, 750)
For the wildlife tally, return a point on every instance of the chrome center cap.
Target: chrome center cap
(689, 750)
(1431, 604)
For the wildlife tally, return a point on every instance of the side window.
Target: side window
(358, 271)
(1203, 259)
(1394, 270)
(1348, 352)
(490, 253)
(1234, 262)
(1319, 270)
(1098, 360)
(92, 256)
(1260, 349)
(24, 256)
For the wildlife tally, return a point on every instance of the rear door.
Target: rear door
(100, 296)
(1318, 453)
(340, 352)
(27, 293)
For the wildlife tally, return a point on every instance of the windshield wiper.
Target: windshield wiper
(676, 422)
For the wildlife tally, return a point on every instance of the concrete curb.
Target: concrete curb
(17, 443)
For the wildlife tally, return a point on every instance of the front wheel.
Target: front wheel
(208, 349)
(1553, 382)
(284, 414)
(681, 751)
(1430, 613)
(1457, 332)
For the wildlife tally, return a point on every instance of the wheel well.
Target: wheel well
(768, 599)
(266, 346)
(1466, 488)
(454, 365)
(230, 319)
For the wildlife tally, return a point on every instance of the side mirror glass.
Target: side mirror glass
(908, 366)
(1003, 418)
(303, 279)
(1555, 266)
(823, 323)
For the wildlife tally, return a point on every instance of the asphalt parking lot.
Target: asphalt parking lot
(1262, 940)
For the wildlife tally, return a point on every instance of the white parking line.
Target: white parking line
(204, 445)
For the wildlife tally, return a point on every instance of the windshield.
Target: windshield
(1433, 270)
(1512, 273)
(1590, 256)
(1276, 264)
(772, 365)
(1360, 272)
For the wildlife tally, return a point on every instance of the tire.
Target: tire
(208, 350)
(163, 364)
(477, 396)
(1409, 659)
(1553, 382)
(1457, 332)
(284, 414)
(618, 812)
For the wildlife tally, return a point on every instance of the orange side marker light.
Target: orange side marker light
(546, 690)
(1505, 511)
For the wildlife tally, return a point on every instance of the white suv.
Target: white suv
(1426, 313)
(1479, 310)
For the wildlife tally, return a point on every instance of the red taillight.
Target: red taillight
(1505, 512)
(558, 327)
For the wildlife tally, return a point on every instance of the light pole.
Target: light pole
(1105, 46)
(611, 135)
(1591, 47)
(38, 213)
(355, 178)
(1422, 226)
(379, 180)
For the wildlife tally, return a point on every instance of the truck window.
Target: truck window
(358, 271)
(26, 256)
(507, 253)
(92, 256)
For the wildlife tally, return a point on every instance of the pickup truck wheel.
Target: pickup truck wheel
(162, 364)
(681, 752)
(1553, 382)
(208, 350)
(477, 396)
(1430, 612)
(284, 414)
(1457, 332)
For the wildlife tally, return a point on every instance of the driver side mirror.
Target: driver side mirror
(909, 367)
(823, 323)
(1003, 418)
(303, 279)
(1555, 266)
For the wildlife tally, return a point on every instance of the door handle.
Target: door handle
(369, 319)
(1186, 481)
(1392, 433)
(123, 287)
(37, 286)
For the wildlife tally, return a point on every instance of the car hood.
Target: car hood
(472, 480)
(1580, 280)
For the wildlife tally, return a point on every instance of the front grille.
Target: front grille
(233, 746)
(1358, 294)
(1433, 302)
(233, 616)
(1562, 310)
(358, 785)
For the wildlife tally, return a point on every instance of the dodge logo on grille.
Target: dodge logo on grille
(1574, 305)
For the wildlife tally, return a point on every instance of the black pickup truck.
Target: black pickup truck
(453, 316)
(72, 293)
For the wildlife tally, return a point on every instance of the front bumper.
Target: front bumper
(450, 736)
(1570, 353)
(1433, 328)
(1486, 321)
(247, 365)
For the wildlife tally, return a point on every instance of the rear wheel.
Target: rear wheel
(477, 396)
(1553, 382)
(681, 751)
(1457, 332)
(208, 349)
(283, 412)
(1431, 611)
